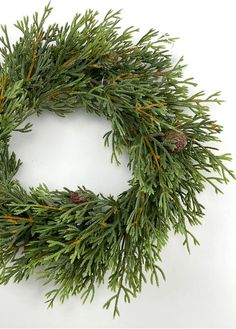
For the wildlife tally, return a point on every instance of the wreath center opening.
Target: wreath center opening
(69, 152)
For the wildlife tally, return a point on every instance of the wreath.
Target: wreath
(73, 239)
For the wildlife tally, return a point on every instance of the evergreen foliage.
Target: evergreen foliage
(72, 239)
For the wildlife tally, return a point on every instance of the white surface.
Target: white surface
(201, 289)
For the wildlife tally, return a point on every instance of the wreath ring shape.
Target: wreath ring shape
(72, 239)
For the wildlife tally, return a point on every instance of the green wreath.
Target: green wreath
(72, 239)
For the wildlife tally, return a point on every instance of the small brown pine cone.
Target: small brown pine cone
(176, 139)
(76, 198)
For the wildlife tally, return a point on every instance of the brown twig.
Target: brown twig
(71, 59)
(137, 219)
(146, 114)
(140, 210)
(75, 242)
(154, 155)
(15, 248)
(149, 106)
(37, 40)
(103, 223)
(13, 219)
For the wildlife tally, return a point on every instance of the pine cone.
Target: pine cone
(77, 198)
(177, 140)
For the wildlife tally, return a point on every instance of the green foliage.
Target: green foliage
(74, 244)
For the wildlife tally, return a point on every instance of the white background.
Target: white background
(201, 289)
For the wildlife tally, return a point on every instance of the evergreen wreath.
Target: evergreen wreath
(72, 239)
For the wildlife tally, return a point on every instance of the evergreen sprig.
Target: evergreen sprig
(72, 239)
